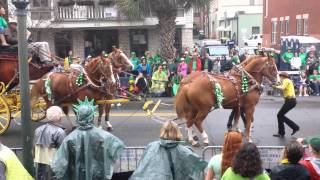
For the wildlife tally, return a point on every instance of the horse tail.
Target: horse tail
(182, 102)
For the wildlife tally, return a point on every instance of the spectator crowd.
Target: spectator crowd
(90, 153)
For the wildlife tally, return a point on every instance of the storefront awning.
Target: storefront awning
(66, 2)
(106, 2)
(85, 2)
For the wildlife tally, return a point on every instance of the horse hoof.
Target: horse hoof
(109, 128)
(206, 142)
(195, 138)
(194, 143)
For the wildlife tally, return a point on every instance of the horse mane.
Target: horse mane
(232, 144)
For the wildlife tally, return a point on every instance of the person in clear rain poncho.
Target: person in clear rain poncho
(168, 159)
(88, 153)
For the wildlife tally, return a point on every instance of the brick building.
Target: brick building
(288, 18)
(97, 25)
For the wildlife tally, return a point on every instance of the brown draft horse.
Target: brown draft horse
(9, 69)
(196, 96)
(99, 84)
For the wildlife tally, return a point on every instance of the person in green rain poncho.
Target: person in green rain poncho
(88, 152)
(286, 59)
(168, 159)
(175, 81)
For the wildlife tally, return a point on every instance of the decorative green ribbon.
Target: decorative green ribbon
(244, 84)
(79, 80)
(47, 85)
(219, 95)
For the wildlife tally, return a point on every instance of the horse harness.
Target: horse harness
(104, 88)
(232, 78)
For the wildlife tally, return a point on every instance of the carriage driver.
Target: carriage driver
(40, 48)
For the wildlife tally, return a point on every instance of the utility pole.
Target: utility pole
(21, 13)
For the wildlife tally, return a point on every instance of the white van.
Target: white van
(254, 40)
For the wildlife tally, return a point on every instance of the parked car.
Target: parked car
(254, 40)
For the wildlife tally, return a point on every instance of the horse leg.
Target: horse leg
(100, 108)
(236, 119)
(191, 140)
(198, 123)
(249, 124)
(106, 118)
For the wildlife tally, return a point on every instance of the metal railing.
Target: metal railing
(78, 12)
(270, 155)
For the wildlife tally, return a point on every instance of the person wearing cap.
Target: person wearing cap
(88, 152)
(47, 139)
(312, 163)
(289, 103)
(182, 68)
(286, 59)
(290, 168)
(144, 67)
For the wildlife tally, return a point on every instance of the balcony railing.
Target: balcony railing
(76, 12)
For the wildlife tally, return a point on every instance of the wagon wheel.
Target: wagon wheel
(38, 111)
(5, 115)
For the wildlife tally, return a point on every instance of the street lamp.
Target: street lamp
(21, 13)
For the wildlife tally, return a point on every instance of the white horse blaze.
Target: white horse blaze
(126, 59)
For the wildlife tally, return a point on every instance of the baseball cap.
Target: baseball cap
(314, 143)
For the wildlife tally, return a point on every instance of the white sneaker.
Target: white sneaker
(300, 95)
(306, 95)
(118, 104)
(112, 105)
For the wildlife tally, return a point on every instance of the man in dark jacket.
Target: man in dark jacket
(290, 167)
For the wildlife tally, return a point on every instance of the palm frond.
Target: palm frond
(133, 9)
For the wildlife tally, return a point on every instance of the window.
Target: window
(40, 3)
(305, 26)
(299, 27)
(273, 32)
(281, 28)
(255, 30)
(287, 27)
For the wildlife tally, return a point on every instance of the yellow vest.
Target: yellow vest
(14, 169)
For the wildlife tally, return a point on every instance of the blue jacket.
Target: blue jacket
(148, 69)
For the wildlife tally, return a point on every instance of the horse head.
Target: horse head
(262, 66)
(120, 60)
(101, 71)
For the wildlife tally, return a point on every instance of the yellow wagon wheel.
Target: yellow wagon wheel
(5, 115)
(38, 111)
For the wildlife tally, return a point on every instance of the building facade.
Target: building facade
(289, 17)
(226, 11)
(241, 27)
(94, 25)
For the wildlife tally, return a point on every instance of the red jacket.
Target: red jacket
(198, 64)
(314, 175)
